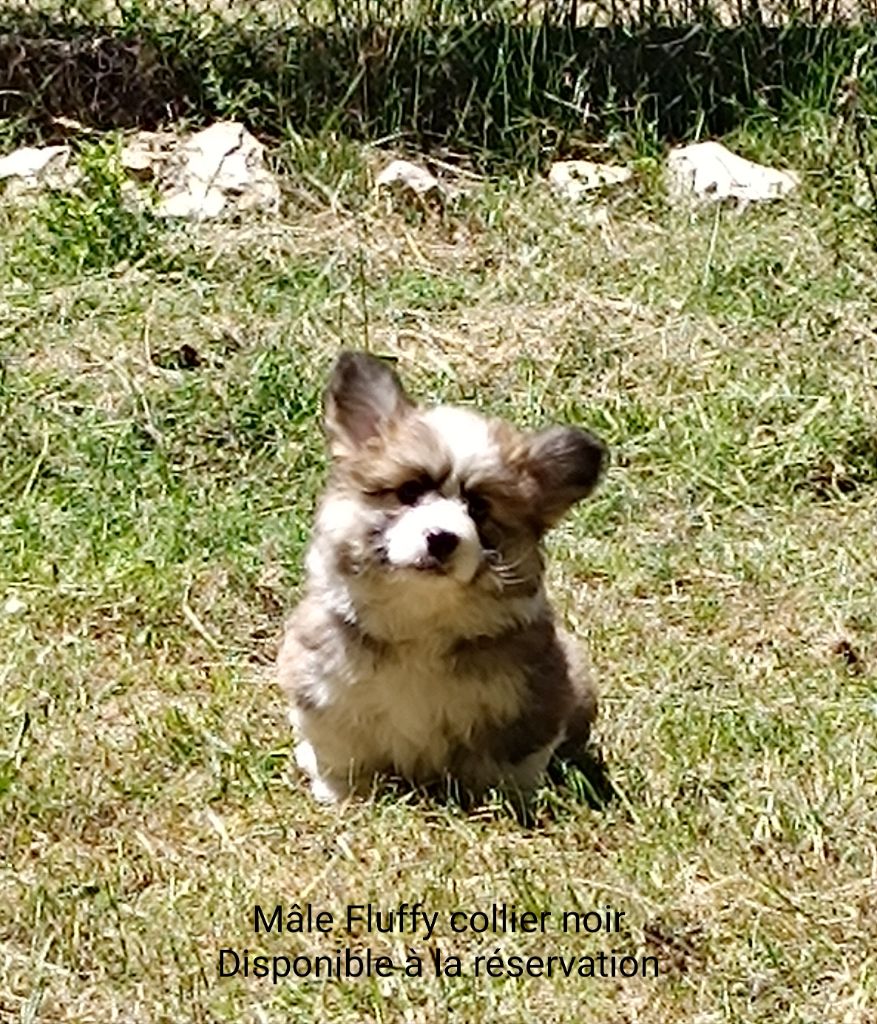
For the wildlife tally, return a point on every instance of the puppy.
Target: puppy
(424, 644)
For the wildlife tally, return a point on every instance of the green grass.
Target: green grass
(503, 85)
(155, 503)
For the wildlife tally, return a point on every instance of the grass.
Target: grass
(501, 84)
(160, 457)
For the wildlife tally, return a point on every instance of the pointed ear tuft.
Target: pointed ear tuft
(566, 464)
(363, 396)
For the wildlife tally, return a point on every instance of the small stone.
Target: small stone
(576, 178)
(145, 153)
(410, 182)
(709, 171)
(34, 167)
(13, 605)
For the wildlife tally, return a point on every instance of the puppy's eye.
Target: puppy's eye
(478, 507)
(412, 491)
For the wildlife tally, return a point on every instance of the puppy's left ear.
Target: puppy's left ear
(363, 397)
(566, 464)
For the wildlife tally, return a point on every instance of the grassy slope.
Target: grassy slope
(152, 522)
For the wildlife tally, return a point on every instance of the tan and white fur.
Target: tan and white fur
(424, 644)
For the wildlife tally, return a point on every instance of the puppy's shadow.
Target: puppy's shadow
(575, 779)
(580, 778)
(585, 774)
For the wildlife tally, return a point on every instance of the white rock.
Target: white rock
(575, 178)
(13, 605)
(409, 180)
(33, 167)
(145, 153)
(709, 171)
(193, 202)
(32, 161)
(218, 168)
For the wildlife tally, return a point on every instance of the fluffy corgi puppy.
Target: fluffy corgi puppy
(424, 645)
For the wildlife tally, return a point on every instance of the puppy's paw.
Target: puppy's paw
(306, 759)
(327, 790)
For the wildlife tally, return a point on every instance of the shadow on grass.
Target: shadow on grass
(421, 82)
(579, 781)
(585, 775)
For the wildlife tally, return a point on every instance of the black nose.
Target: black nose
(441, 544)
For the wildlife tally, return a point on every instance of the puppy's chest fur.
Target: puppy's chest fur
(419, 707)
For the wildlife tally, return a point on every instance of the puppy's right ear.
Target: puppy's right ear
(363, 397)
